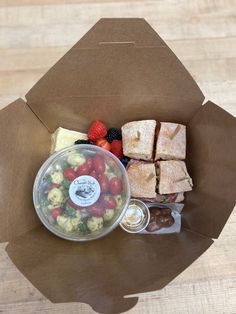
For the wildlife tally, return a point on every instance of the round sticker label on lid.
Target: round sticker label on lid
(84, 191)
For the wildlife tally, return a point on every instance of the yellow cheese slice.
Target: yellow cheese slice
(62, 138)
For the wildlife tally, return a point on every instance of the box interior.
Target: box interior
(119, 71)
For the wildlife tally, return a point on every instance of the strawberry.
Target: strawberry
(97, 130)
(116, 148)
(103, 143)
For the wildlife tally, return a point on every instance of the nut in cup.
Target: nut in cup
(136, 217)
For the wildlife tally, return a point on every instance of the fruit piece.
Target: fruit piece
(104, 183)
(93, 174)
(103, 143)
(56, 212)
(116, 148)
(96, 210)
(107, 201)
(70, 174)
(72, 204)
(97, 131)
(115, 186)
(82, 170)
(84, 142)
(99, 165)
(125, 160)
(113, 134)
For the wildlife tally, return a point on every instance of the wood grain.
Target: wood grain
(35, 34)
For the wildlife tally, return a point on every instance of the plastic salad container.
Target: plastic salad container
(81, 192)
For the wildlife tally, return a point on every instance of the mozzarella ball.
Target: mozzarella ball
(55, 197)
(57, 177)
(65, 223)
(95, 223)
(76, 221)
(119, 201)
(75, 160)
(109, 213)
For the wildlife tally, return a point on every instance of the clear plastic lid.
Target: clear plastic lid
(81, 192)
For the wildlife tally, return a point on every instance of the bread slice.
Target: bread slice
(62, 138)
(174, 177)
(142, 178)
(138, 139)
(171, 142)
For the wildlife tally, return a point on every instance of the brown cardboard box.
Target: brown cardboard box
(120, 71)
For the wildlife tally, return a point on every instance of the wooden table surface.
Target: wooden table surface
(34, 34)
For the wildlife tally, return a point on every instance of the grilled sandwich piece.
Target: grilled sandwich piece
(138, 139)
(171, 142)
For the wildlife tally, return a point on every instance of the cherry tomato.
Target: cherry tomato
(93, 174)
(99, 164)
(70, 174)
(89, 163)
(115, 186)
(72, 204)
(96, 210)
(82, 170)
(56, 212)
(104, 183)
(107, 201)
(102, 142)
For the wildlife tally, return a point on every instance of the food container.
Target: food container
(136, 217)
(81, 193)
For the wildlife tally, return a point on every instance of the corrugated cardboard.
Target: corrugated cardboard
(120, 71)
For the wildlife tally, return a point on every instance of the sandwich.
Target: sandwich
(171, 142)
(138, 139)
(173, 177)
(62, 138)
(142, 178)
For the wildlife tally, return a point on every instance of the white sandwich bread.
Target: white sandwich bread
(171, 142)
(142, 178)
(174, 177)
(62, 138)
(138, 139)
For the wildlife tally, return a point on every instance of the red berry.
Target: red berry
(56, 212)
(70, 174)
(115, 186)
(104, 183)
(82, 170)
(99, 164)
(97, 130)
(72, 204)
(116, 148)
(107, 201)
(93, 174)
(96, 210)
(104, 144)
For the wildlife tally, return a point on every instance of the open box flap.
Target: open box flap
(115, 82)
(121, 30)
(102, 272)
(211, 153)
(24, 145)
